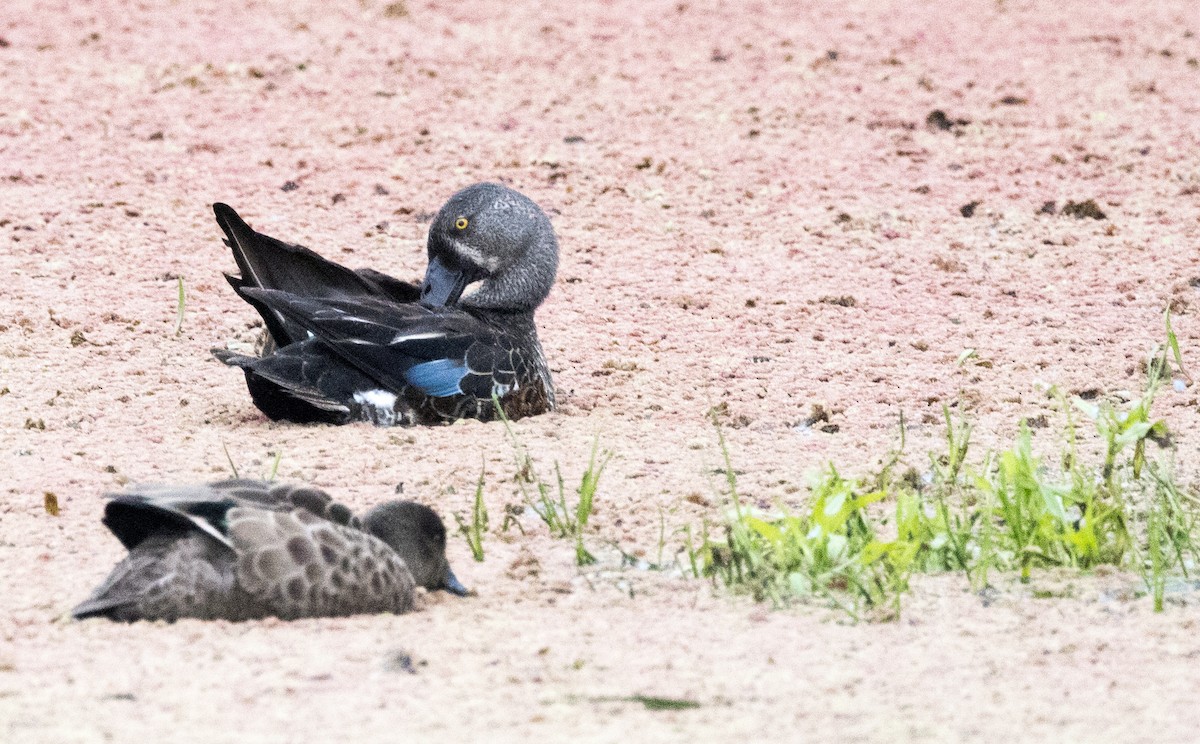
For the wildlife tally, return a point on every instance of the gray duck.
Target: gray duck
(245, 549)
(346, 346)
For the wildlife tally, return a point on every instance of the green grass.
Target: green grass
(831, 550)
(474, 530)
(229, 459)
(649, 702)
(1103, 495)
(1009, 512)
(1171, 522)
(549, 501)
(268, 476)
(180, 306)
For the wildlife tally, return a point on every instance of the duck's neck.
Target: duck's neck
(517, 323)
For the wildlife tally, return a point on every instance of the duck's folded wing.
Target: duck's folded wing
(300, 565)
(273, 264)
(285, 497)
(145, 509)
(440, 351)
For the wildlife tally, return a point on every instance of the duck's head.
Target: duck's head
(415, 532)
(490, 234)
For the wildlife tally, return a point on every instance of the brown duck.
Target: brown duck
(244, 549)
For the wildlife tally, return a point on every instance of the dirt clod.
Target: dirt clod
(1083, 209)
(938, 121)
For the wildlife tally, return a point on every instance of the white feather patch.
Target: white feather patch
(476, 256)
(402, 337)
(375, 398)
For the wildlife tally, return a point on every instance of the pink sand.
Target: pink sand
(731, 175)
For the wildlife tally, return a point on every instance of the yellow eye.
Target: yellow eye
(461, 223)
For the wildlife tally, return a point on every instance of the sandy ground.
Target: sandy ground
(752, 211)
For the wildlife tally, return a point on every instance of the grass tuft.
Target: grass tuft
(1011, 512)
(549, 501)
(829, 550)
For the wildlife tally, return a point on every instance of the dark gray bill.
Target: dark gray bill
(443, 285)
(453, 585)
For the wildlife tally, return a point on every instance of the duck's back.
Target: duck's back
(297, 564)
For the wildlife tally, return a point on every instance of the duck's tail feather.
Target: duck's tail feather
(103, 606)
(272, 264)
(132, 517)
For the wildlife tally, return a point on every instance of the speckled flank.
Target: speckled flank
(758, 210)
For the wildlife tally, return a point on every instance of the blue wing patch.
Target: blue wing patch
(439, 378)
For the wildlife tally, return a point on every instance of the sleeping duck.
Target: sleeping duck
(244, 549)
(345, 346)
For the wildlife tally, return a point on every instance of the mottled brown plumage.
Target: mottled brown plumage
(240, 550)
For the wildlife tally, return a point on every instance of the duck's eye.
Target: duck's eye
(460, 223)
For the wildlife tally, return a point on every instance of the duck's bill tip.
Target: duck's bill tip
(443, 285)
(454, 586)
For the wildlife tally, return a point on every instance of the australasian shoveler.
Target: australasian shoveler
(347, 346)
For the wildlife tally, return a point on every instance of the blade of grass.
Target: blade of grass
(275, 464)
(1173, 345)
(181, 303)
(229, 458)
(474, 531)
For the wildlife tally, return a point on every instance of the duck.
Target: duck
(345, 346)
(244, 550)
